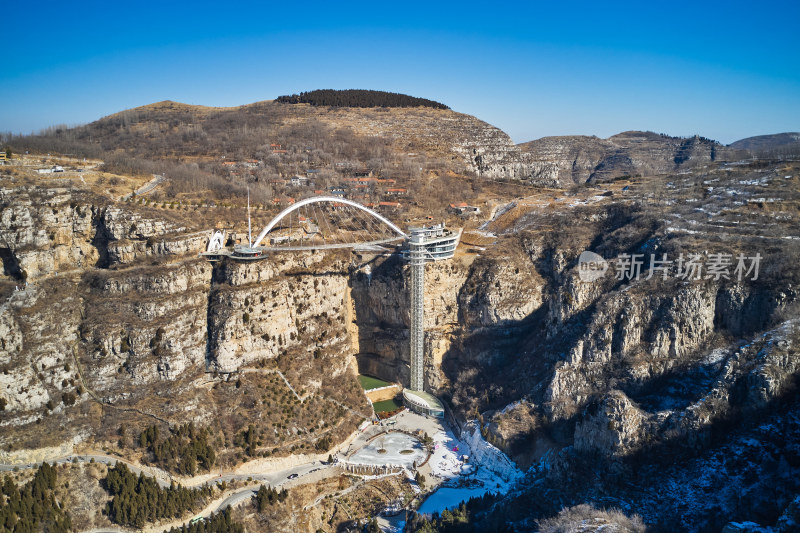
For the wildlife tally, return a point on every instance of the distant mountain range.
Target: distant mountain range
(391, 134)
(580, 158)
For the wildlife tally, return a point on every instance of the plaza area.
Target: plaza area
(393, 448)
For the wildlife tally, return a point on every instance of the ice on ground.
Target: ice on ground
(489, 457)
(449, 498)
(445, 460)
(747, 527)
(393, 443)
(391, 524)
(715, 356)
(673, 229)
(485, 469)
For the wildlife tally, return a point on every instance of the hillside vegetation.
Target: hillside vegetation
(358, 98)
(216, 153)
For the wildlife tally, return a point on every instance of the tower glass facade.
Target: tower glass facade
(416, 256)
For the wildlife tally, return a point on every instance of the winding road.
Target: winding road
(157, 180)
(309, 472)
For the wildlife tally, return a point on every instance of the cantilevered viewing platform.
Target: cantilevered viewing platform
(439, 242)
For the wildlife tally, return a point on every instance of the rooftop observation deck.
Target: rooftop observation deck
(440, 242)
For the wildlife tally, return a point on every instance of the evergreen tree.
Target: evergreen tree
(358, 98)
(33, 507)
(139, 499)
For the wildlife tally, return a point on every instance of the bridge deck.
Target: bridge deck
(266, 249)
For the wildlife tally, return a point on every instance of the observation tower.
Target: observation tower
(425, 244)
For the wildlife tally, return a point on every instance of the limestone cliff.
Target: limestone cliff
(260, 310)
(119, 313)
(577, 159)
(381, 312)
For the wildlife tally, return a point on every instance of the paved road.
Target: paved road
(157, 180)
(276, 479)
(162, 477)
(273, 479)
(237, 498)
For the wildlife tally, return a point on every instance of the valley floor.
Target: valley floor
(455, 469)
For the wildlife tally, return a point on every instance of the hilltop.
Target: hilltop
(358, 98)
(333, 133)
(190, 143)
(766, 142)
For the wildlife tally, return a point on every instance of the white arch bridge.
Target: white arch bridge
(319, 222)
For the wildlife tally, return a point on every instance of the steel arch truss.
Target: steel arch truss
(325, 200)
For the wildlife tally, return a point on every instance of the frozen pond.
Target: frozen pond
(399, 449)
(464, 468)
(449, 498)
(486, 469)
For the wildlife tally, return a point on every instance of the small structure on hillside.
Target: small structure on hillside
(51, 170)
(463, 209)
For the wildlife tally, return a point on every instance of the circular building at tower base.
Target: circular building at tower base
(423, 403)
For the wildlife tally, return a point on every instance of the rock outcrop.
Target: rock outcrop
(47, 231)
(43, 231)
(576, 159)
(381, 312)
(260, 310)
(614, 427)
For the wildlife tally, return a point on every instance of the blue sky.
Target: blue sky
(725, 70)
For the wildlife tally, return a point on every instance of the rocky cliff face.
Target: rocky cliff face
(578, 159)
(614, 373)
(146, 324)
(381, 312)
(45, 231)
(462, 297)
(119, 311)
(259, 310)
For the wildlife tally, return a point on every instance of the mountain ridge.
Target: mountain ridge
(581, 159)
(407, 142)
(767, 142)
